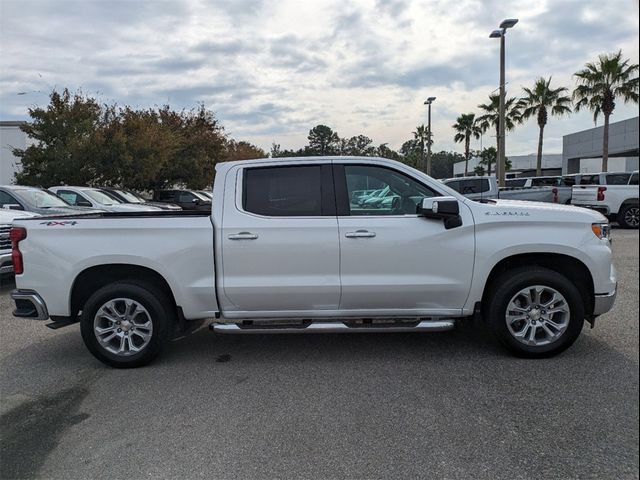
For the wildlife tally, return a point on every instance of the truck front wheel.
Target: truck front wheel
(125, 324)
(535, 312)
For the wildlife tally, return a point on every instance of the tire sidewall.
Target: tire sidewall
(158, 312)
(621, 220)
(511, 283)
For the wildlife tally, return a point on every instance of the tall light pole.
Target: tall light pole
(428, 103)
(500, 164)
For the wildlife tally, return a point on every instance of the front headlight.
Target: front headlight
(601, 230)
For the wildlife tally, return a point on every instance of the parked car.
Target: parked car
(618, 199)
(486, 188)
(562, 190)
(6, 219)
(206, 194)
(93, 197)
(290, 253)
(36, 200)
(126, 196)
(186, 199)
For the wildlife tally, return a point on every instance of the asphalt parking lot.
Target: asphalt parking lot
(440, 405)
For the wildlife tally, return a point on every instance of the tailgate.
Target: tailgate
(584, 195)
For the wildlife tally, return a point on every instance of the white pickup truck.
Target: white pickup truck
(286, 250)
(486, 188)
(615, 195)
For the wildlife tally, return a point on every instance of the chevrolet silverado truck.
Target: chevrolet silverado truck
(618, 201)
(287, 249)
(486, 188)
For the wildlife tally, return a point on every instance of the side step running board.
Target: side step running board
(334, 327)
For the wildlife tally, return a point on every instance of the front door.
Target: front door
(393, 261)
(280, 247)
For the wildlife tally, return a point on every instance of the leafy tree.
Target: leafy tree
(466, 126)
(78, 142)
(361, 146)
(323, 140)
(62, 132)
(599, 84)
(442, 163)
(542, 100)
(385, 152)
(491, 117)
(243, 151)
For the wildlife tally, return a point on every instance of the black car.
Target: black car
(36, 200)
(129, 197)
(187, 199)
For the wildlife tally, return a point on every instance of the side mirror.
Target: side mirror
(12, 206)
(443, 208)
(83, 203)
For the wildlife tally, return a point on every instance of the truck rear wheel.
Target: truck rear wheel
(535, 312)
(125, 324)
(629, 216)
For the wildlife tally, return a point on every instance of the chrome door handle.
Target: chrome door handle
(242, 236)
(360, 234)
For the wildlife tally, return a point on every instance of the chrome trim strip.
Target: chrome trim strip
(35, 299)
(604, 303)
(335, 327)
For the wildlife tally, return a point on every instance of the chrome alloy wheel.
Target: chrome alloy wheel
(538, 315)
(632, 217)
(123, 326)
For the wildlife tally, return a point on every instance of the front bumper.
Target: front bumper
(29, 305)
(603, 303)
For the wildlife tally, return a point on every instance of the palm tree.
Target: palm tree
(540, 101)
(466, 126)
(491, 118)
(422, 135)
(599, 84)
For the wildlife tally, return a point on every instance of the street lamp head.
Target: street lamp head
(429, 100)
(495, 34)
(508, 23)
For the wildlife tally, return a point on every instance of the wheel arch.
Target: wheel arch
(95, 277)
(572, 268)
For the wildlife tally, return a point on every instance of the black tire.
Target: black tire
(507, 285)
(628, 216)
(158, 310)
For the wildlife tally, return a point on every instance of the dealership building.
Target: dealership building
(581, 152)
(11, 137)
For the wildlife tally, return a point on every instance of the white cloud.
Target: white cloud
(274, 69)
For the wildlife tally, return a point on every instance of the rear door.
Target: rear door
(393, 261)
(280, 249)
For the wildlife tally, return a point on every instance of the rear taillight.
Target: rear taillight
(16, 234)
(601, 191)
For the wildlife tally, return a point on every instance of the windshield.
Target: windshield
(39, 198)
(128, 196)
(100, 197)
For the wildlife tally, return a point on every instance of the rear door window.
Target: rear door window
(618, 178)
(283, 191)
(6, 199)
(516, 182)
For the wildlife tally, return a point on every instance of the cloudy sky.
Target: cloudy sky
(271, 70)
